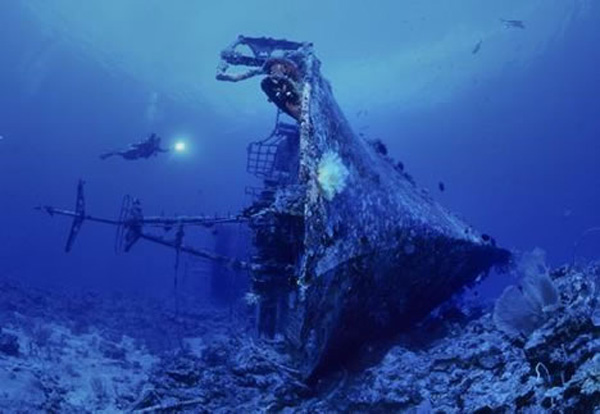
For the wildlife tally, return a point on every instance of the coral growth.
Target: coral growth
(332, 175)
(522, 309)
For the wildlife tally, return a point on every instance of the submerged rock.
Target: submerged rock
(447, 365)
(479, 369)
(9, 344)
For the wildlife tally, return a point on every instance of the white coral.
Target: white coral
(332, 175)
(251, 299)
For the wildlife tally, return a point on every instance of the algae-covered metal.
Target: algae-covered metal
(358, 251)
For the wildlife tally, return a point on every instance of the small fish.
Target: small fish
(442, 186)
(485, 237)
(400, 166)
(513, 24)
(477, 47)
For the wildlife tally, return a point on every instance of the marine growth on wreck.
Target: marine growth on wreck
(366, 240)
(343, 285)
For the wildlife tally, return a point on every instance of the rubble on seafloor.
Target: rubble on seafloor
(87, 354)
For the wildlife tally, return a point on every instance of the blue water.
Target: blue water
(512, 131)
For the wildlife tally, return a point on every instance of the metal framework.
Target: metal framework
(131, 223)
(273, 157)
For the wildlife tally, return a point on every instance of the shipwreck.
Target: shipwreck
(347, 249)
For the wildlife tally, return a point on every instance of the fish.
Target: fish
(513, 24)
(477, 47)
(442, 186)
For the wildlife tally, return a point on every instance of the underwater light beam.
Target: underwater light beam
(180, 146)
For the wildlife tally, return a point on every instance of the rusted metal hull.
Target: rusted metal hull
(377, 253)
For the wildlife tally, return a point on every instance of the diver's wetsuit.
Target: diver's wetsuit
(144, 149)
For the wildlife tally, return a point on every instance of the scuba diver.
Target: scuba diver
(143, 149)
(282, 85)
